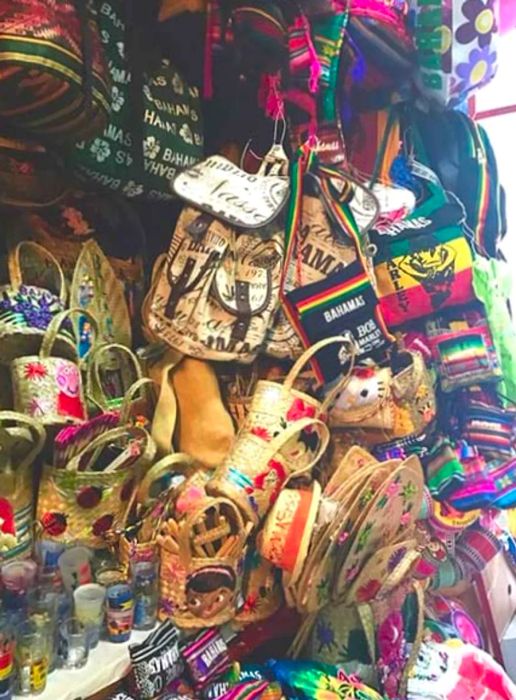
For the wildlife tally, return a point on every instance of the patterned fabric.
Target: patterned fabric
(451, 68)
(171, 128)
(53, 78)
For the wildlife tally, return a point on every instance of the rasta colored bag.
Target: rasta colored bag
(456, 43)
(423, 263)
(344, 301)
(53, 80)
(460, 153)
(145, 145)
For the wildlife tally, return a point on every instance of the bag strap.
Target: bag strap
(277, 443)
(157, 270)
(54, 327)
(96, 446)
(16, 270)
(93, 378)
(187, 531)
(296, 369)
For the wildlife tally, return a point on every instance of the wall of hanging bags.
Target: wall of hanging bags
(292, 433)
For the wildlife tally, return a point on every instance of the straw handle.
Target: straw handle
(186, 529)
(55, 325)
(166, 465)
(97, 444)
(16, 271)
(36, 428)
(132, 392)
(94, 380)
(308, 354)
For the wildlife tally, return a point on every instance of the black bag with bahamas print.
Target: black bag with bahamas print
(152, 136)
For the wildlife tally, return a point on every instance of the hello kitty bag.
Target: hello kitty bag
(380, 404)
(49, 387)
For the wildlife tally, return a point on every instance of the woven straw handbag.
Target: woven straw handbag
(152, 504)
(26, 308)
(284, 435)
(380, 404)
(112, 370)
(21, 439)
(47, 386)
(201, 566)
(54, 80)
(79, 503)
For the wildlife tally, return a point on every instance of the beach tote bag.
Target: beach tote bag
(54, 82)
(140, 161)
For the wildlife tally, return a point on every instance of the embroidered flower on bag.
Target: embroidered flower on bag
(35, 371)
(368, 591)
(325, 636)
(117, 99)
(132, 189)
(151, 147)
(299, 409)
(100, 150)
(261, 432)
(479, 68)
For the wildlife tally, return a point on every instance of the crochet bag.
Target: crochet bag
(22, 439)
(456, 43)
(171, 129)
(49, 387)
(53, 81)
(88, 499)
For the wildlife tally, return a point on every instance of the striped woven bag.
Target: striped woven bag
(53, 80)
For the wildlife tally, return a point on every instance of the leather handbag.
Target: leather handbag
(140, 162)
(54, 82)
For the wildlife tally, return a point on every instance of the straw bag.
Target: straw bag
(21, 439)
(380, 403)
(49, 387)
(54, 81)
(201, 568)
(96, 288)
(88, 499)
(112, 370)
(26, 309)
(151, 505)
(64, 228)
(283, 436)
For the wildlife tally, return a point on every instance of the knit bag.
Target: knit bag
(169, 128)
(53, 82)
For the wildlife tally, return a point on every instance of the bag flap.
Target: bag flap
(222, 189)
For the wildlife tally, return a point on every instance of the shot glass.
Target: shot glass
(74, 564)
(119, 612)
(31, 657)
(146, 593)
(18, 578)
(89, 609)
(73, 644)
